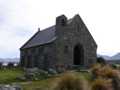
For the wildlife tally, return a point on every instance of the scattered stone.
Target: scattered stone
(31, 70)
(52, 71)
(34, 74)
(42, 71)
(21, 78)
(10, 87)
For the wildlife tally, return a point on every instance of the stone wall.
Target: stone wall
(69, 36)
(41, 56)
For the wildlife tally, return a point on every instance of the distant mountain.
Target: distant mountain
(115, 57)
(105, 57)
(113, 61)
(9, 59)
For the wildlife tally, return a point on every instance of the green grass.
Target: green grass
(9, 75)
(46, 84)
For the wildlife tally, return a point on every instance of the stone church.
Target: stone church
(67, 43)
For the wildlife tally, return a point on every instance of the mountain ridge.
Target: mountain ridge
(106, 57)
(114, 57)
(9, 59)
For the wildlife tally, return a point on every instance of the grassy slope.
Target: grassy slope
(9, 75)
(48, 84)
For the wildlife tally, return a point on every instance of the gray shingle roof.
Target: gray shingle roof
(41, 37)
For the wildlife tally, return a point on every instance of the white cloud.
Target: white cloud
(19, 19)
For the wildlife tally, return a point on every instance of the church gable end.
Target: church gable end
(81, 27)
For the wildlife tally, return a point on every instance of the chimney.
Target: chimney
(61, 20)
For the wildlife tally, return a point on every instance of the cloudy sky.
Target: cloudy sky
(19, 20)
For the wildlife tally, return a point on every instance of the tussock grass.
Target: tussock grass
(102, 84)
(70, 81)
(105, 78)
(104, 71)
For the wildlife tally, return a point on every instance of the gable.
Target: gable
(80, 24)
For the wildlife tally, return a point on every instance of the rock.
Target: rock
(10, 87)
(60, 68)
(52, 71)
(29, 76)
(42, 71)
(35, 74)
(30, 73)
(16, 87)
(31, 70)
(42, 74)
(21, 78)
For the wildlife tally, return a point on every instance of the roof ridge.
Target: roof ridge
(47, 28)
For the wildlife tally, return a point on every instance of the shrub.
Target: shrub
(1, 65)
(95, 66)
(107, 71)
(104, 71)
(95, 70)
(102, 84)
(10, 65)
(71, 82)
(101, 60)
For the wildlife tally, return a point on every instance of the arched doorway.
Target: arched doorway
(78, 55)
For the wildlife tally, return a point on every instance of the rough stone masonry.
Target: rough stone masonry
(65, 44)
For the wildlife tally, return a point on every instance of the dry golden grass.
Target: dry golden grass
(107, 71)
(102, 84)
(104, 71)
(71, 82)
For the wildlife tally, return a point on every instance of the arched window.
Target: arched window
(78, 55)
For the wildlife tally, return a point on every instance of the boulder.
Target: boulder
(52, 71)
